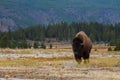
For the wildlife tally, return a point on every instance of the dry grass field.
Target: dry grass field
(58, 64)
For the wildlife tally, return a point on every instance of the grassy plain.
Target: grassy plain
(59, 65)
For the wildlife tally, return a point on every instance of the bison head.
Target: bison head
(77, 46)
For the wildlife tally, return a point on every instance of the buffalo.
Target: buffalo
(81, 46)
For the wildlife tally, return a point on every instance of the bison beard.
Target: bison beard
(81, 46)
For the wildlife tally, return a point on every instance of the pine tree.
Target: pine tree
(4, 42)
(36, 45)
(43, 45)
(117, 48)
(51, 46)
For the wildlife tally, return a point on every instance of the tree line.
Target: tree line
(63, 31)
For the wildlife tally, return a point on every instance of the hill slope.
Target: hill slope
(14, 13)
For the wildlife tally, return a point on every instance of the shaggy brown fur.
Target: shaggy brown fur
(81, 46)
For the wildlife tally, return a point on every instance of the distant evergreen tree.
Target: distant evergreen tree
(117, 48)
(4, 41)
(19, 34)
(109, 49)
(51, 46)
(22, 44)
(62, 31)
(36, 45)
(12, 44)
(43, 45)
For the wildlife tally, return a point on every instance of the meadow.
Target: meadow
(58, 64)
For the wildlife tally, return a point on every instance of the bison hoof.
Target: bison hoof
(86, 61)
(79, 61)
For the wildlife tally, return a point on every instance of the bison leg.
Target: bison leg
(78, 58)
(79, 61)
(86, 60)
(86, 57)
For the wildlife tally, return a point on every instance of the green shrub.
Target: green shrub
(51, 46)
(109, 49)
(4, 41)
(36, 45)
(95, 49)
(43, 45)
(117, 48)
(22, 44)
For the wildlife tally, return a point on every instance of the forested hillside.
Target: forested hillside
(106, 33)
(15, 13)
